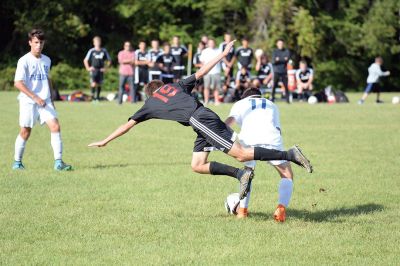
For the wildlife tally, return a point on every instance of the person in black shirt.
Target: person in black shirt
(227, 61)
(280, 58)
(242, 83)
(165, 62)
(96, 62)
(141, 63)
(178, 51)
(264, 72)
(174, 102)
(244, 55)
(154, 52)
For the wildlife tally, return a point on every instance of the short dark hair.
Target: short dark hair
(38, 33)
(245, 38)
(303, 62)
(280, 39)
(251, 92)
(152, 86)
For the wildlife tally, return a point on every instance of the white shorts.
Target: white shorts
(252, 163)
(29, 113)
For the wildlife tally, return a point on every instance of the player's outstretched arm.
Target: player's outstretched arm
(209, 65)
(117, 133)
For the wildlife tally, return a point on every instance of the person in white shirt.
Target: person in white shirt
(374, 73)
(260, 126)
(33, 81)
(212, 81)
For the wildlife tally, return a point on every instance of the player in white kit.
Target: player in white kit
(33, 82)
(260, 126)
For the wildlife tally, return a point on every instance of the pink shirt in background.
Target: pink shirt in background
(125, 69)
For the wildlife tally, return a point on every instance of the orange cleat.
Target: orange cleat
(280, 213)
(242, 213)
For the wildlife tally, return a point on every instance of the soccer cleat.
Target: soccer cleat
(379, 101)
(298, 158)
(280, 213)
(242, 213)
(17, 165)
(245, 182)
(59, 165)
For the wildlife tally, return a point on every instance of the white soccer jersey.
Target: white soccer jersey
(259, 121)
(34, 72)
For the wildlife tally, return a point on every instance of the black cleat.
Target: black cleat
(298, 158)
(245, 182)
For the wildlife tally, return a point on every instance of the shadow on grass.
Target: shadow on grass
(122, 165)
(105, 166)
(333, 215)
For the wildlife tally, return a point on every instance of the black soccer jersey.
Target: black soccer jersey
(97, 58)
(153, 55)
(244, 56)
(231, 52)
(178, 53)
(304, 76)
(141, 56)
(243, 78)
(196, 58)
(170, 102)
(265, 70)
(167, 60)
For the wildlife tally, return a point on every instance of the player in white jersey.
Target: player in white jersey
(35, 103)
(258, 119)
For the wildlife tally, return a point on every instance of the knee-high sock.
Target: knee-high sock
(285, 191)
(19, 148)
(98, 90)
(57, 146)
(223, 169)
(262, 154)
(244, 203)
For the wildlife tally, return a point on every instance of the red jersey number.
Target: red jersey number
(165, 92)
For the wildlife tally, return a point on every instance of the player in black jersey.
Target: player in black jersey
(264, 72)
(178, 51)
(165, 62)
(244, 55)
(227, 61)
(304, 80)
(174, 102)
(154, 52)
(142, 66)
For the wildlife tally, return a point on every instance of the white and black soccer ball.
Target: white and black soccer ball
(312, 100)
(396, 100)
(232, 203)
(259, 52)
(111, 97)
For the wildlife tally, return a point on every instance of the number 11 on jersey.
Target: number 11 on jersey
(255, 101)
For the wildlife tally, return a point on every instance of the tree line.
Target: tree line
(340, 38)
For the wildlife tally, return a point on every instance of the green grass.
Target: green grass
(137, 201)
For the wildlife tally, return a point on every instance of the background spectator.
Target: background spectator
(96, 62)
(212, 81)
(374, 73)
(126, 60)
(304, 80)
(142, 61)
(196, 58)
(166, 62)
(264, 72)
(204, 40)
(244, 55)
(227, 62)
(280, 58)
(242, 82)
(154, 52)
(178, 51)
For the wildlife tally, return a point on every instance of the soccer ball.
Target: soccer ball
(396, 100)
(231, 202)
(111, 96)
(259, 53)
(312, 100)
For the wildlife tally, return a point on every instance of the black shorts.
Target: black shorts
(178, 73)
(142, 76)
(211, 131)
(96, 76)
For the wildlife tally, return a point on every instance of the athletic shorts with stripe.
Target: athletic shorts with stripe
(211, 131)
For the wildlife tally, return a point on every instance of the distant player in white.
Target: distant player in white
(33, 82)
(260, 127)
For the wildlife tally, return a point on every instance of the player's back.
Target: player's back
(259, 121)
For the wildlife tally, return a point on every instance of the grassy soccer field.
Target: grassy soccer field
(136, 201)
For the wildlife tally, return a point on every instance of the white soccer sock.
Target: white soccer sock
(19, 148)
(56, 144)
(285, 191)
(244, 203)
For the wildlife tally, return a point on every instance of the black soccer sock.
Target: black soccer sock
(98, 90)
(262, 154)
(92, 89)
(223, 169)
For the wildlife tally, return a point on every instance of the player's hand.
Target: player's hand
(39, 101)
(228, 48)
(97, 144)
(91, 69)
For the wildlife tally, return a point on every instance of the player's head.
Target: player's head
(227, 37)
(155, 44)
(264, 59)
(211, 43)
(204, 39)
(97, 41)
(127, 46)
(245, 42)
(167, 47)
(243, 70)
(379, 60)
(152, 86)
(36, 40)
(303, 65)
(251, 92)
(142, 45)
(280, 44)
(175, 40)
(200, 46)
